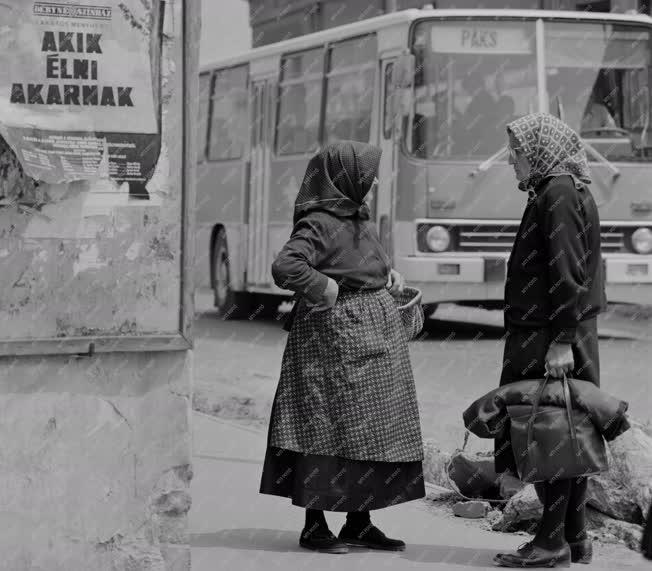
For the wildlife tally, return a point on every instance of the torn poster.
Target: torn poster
(76, 94)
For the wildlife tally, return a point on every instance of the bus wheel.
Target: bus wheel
(230, 304)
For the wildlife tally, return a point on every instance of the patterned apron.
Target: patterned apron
(346, 386)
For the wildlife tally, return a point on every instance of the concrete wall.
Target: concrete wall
(95, 461)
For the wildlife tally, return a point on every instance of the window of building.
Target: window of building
(350, 89)
(299, 107)
(229, 114)
(600, 6)
(202, 121)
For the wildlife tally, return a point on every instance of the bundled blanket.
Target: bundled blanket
(487, 417)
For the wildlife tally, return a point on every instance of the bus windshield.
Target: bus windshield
(473, 77)
(597, 78)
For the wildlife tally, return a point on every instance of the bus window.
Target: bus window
(598, 75)
(229, 119)
(299, 108)
(472, 78)
(202, 122)
(350, 89)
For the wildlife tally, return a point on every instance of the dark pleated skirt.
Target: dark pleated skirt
(524, 358)
(339, 484)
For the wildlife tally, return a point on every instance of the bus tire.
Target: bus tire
(230, 304)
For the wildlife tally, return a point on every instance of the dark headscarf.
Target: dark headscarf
(337, 180)
(552, 148)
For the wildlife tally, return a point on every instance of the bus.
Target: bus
(434, 90)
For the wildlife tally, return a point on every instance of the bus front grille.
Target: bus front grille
(500, 238)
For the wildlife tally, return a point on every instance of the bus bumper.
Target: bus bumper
(629, 278)
(464, 278)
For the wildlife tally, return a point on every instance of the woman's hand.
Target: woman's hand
(395, 282)
(328, 299)
(559, 359)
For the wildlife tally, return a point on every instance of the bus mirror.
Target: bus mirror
(402, 82)
(403, 76)
(402, 102)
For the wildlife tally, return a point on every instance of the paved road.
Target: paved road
(233, 527)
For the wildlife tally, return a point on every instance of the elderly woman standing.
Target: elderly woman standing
(553, 293)
(344, 432)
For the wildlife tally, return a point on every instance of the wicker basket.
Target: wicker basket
(410, 309)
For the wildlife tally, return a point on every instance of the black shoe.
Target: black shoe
(322, 539)
(523, 549)
(530, 555)
(370, 536)
(581, 551)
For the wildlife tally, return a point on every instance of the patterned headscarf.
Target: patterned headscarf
(337, 180)
(551, 147)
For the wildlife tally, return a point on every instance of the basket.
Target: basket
(408, 303)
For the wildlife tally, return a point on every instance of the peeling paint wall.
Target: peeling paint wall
(95, 463)
(85, 258)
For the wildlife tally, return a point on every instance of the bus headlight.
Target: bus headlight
(642, 240)
(438, 238)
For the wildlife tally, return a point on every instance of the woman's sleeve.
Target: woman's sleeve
(294, 267)
(564, 230)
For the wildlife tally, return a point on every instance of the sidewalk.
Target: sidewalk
(233, 527)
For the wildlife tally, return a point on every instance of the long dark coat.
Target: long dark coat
(554, 289)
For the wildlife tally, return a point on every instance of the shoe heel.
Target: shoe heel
(582, 551)
(564, 561)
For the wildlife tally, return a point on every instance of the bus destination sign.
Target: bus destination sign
(480, 38)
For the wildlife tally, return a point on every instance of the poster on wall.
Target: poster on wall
(96, 100)
(77, 100)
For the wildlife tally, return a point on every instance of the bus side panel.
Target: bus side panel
(285, 180)
(220, 202)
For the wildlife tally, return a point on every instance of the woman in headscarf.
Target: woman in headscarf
(553, 293)
(344, 432)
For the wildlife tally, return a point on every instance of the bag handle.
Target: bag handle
(569, 413)
(535, 409)
(567, 405)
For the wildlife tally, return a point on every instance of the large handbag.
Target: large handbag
(551, 442)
